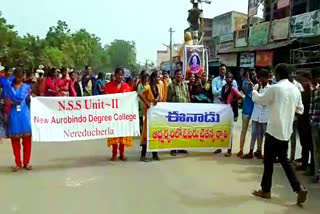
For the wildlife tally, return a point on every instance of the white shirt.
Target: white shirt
(260, 112)
(283, 100)
(298, 85)
(217, 84)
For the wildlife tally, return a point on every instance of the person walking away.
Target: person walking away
(228, 94)
(99, 84)
(141, 87)
(247, 108)
(178, 93)
(260, 115)
(283, 100)
(118, 86)
(19, 120)
(150, 94)
(88, 82)
(315, 123)
(217, 84)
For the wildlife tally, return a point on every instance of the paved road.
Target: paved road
(77, 178)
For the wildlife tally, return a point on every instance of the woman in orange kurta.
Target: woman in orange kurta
(151, 94)
(114, 87)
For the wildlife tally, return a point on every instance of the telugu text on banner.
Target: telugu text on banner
(62, 119)
(189, 126)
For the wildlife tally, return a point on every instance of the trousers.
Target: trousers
(276, 148)
(16, 147)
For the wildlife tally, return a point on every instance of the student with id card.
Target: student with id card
(19, 120)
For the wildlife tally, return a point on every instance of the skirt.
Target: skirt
(126, 141)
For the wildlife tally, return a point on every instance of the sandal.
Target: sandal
(156, 158)
(144, 159)
(123, 158)
(16, 168)
(114, 158)
(240, 154)
(28, 167)
(247, 156)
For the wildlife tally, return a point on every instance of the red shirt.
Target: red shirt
(112, 88)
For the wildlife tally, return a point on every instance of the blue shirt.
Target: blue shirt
(96, 88)
(19, 117)
(5, 84)
(248, 103)
(217, 84)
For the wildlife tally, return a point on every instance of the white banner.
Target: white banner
(61, 119)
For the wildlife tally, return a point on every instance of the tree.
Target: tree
(58, 35)
(122, 53)
(7, 39)
(60, 48)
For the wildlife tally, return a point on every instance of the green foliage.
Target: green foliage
(61, 47)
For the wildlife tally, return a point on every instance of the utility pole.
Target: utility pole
(171, 31)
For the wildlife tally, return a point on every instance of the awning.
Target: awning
(269, 46)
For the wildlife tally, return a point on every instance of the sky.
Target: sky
(146, 22)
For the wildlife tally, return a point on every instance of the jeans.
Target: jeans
(276, 148)
(258, 131)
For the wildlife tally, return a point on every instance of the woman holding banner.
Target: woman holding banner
(51, 88)
(150, 94)
(19, 120)
(114, 87)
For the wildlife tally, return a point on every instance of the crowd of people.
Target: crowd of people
(277, 105)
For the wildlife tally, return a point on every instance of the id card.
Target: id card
(18, 108)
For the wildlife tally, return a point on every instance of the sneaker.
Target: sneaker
(262, 194)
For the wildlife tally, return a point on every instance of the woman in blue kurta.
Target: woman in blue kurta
(5, 81)
(19, 120)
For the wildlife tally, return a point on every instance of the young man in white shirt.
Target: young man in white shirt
(283, 100)
(259, 117)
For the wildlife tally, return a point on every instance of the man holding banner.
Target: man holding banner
(178, 92)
